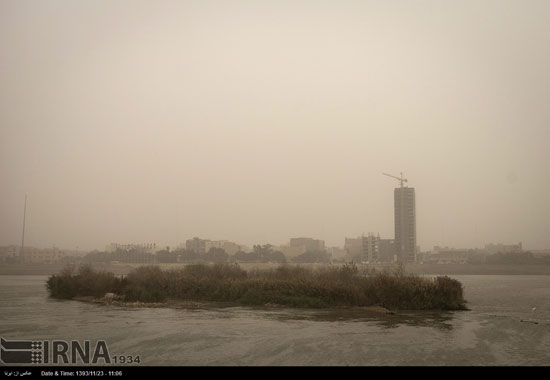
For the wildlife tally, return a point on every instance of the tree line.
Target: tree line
(260, 254)
(516, 258)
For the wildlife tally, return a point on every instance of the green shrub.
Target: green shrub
(85, 282)
(289, 285)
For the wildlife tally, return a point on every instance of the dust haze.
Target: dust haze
(255, 122)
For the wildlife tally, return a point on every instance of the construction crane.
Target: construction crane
(400, 179)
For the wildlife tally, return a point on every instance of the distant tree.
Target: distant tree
(98, 256)
(277, 257)
(216, 255)
(266, 253)
(245, 257)
(312, 257)
(239, 256)
(165, 256)
(187, 256)
(261, 251)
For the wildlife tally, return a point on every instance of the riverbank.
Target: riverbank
(419, 269)
(477, 269)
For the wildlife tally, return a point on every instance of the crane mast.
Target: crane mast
(401, 179)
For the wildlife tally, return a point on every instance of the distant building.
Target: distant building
(353, 248)
(336, 253)
(301, 245)
(405, 224)
(306, 244)
(541, 252)
(370, 248)
(228, 246)
(291, 252)
(139, 248)
(196, 245)
(502, 248)
(446, 255)
(9, 253)
(387, 251)
(32, 255)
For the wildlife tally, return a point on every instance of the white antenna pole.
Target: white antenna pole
(23, 235)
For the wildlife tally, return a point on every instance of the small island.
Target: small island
(285, 286)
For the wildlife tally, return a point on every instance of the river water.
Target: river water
(500, 329)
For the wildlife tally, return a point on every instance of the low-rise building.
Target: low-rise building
(308, 244)
(228, 246)
(387, 251)
(446, 255)
(196, 245)
(491, 249)
(336, 253)
(33, 255)
(353, 248)
(132, 247)
(370, 248)
(301, 245)
(9, 253)
(291, 252)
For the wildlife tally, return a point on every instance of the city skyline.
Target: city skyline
(259, 121)
(409, 246)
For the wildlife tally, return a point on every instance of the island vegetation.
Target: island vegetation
(286, 285)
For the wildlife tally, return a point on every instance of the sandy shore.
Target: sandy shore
(173, 304)
(195, 305)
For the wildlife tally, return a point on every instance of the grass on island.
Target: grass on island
(287, 285)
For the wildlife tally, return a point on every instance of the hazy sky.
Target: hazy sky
(256, 121)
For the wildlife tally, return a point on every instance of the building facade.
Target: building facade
(9, 253)
(32, 255)
(196, 245)
(228, 246)
(370, 248)
(503, 248)
(386, 250)
(336, 253)
(301, 245)
(353, 248)
(307, 244)
(405, 224)
(133, 247)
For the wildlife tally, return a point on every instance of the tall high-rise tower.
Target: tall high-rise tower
(405, 224)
